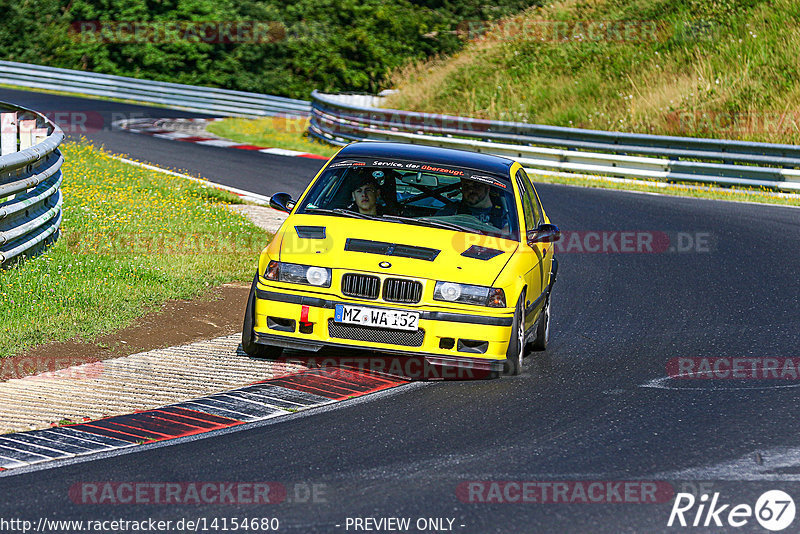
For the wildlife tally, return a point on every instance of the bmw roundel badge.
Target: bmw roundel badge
(384, 264)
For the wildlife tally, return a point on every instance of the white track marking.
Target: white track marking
(247, 195)
(745, 468)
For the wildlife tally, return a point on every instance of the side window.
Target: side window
(537, 206)
(527, 203)
(522, 176)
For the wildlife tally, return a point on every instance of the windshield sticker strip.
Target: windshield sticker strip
(423, 167)
(346, 163)
(486, 180)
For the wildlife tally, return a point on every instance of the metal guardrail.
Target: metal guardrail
(213, 101)
(554, 150)
(30, 180)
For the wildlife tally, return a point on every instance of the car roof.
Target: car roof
(428, 154)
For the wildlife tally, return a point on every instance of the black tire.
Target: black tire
(515, 353)
(249, 345)
(543, 328)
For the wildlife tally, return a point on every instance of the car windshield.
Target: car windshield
(420, 194)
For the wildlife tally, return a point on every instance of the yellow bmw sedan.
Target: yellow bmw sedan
(409, 250)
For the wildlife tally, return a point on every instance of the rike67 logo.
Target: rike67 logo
(774, 510)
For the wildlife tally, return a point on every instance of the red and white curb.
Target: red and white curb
(275, 397)
(167, 129)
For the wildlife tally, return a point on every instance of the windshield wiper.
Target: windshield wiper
(421, 222)
(340, 212)
(354, 214)
(429, 222)
(319, 210)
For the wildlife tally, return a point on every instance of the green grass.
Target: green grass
(722, 69)
(131, 239)
(713, 68)
(273, 132)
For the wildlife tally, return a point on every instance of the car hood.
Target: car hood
(435, 253)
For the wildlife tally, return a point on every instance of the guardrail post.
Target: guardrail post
(26, 128)
(8, 133)
(39, 135)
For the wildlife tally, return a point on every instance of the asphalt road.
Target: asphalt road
(257, 172)
(582, 412)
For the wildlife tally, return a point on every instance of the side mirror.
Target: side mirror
(544, 233)
(282, 202)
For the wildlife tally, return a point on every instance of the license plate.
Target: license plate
(378, 317)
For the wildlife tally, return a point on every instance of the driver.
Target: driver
(477, 201)
(365, 197)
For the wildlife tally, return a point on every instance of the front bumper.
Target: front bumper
(303, 321)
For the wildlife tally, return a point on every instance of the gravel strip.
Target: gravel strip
(262, 216)
(138, 382)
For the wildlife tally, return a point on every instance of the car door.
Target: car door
(547, 249)
(533, 254)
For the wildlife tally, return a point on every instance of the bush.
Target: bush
(332, 45)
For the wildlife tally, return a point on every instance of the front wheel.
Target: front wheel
(249, 345)
(516, 343)
(543, 328)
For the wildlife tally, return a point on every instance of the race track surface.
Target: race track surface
(260, 173)
(595, 407)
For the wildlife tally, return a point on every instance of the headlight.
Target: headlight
(449, 291)
(467, 294)
(318, 276)
(298, 274)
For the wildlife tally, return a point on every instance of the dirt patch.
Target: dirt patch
(217, 313)
(177, 322)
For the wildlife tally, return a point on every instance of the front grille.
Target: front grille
(399, 290)
(376, 335)
(361, 286)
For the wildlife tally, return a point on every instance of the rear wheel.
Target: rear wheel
(249, 345)
(516, 342)
(543, 328)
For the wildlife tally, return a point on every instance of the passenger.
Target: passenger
(477, 200)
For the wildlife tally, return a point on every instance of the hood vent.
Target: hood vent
(481, 253)
(310, 232)
(391, 249)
